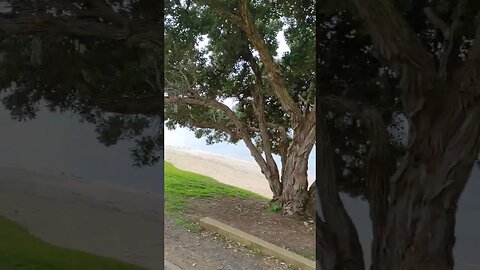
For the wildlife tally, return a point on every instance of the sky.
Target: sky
(182, 137)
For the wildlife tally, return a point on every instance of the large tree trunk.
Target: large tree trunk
(420, 232)
(311, 207)
(441, 100)
(295, 193)
(295, 182)
(418, 228)
(424, 192)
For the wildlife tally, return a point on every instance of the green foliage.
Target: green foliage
(348, 66)
(274, 208)
(19, 250)
(221, 68)
(69, 72)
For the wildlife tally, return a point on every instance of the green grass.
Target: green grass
(181, 185)
(306, 254)
(19, 250)
(274, 208)
(187, 224)
(256, 252)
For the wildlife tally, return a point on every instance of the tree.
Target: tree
(274, 111)
(101, 60)
(432, 48)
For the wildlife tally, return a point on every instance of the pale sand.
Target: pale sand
(99, 218)
(227, 170)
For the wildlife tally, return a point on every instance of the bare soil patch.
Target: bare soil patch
(251, 216)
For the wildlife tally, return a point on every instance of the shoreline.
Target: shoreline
(206, 153)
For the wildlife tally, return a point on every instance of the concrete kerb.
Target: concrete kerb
(171, 266)
(251, 241)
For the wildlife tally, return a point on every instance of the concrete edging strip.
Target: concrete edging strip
(171, 266)
(251, 241)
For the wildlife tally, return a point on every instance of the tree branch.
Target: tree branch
(341, 104)
(338, 234)
(398, 45)
(283, 147)
(437, 21)
(395, 41)
(259, 107)
(217, 126)
(307, 126)
(275, 76)
(152, 105)
(40, 24)
(235, 19)
(448, 32)
(474, 52)
(101, 9)
(241, 128)
(468, 74)
(379, 164)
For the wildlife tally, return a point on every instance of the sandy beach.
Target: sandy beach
(238, 173)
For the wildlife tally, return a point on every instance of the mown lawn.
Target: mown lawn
(181, 185)
(19, 250)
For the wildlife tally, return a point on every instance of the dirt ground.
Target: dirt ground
(292, 233)
(206, 251)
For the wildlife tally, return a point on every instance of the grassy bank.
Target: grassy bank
(181, 185)
(19, 250)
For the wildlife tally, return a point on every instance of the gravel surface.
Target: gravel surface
(206, 251)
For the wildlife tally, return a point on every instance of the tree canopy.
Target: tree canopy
(206, 51)
(225, 81)
(101, 60)
(353, 76)
(104, 61)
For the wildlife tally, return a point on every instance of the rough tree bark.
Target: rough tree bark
(442, 104)
(38, 22)
(337, 236)
(420, 224)
(379, 163)
(295, 193)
